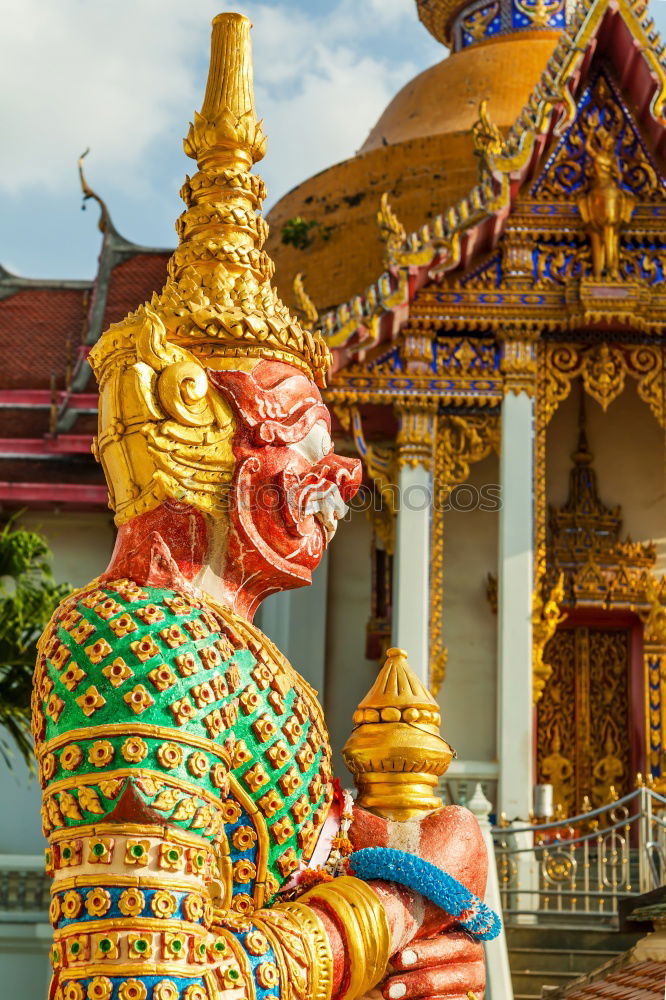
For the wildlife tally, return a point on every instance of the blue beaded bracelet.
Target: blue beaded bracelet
(436, 885)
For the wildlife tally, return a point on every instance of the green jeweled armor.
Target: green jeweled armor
(157, 697)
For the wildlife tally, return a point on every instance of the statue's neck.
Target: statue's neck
(174, 547)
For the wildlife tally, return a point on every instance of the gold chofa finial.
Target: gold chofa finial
(395, 752)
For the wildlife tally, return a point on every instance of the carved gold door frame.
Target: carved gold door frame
(586, 715)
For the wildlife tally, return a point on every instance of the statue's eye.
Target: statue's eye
(316, 444)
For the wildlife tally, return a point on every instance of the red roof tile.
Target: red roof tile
(133, 282)
(35, 324)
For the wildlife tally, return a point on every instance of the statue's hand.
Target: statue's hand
(450, 965)
(449, 838)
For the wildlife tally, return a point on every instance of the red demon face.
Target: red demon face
(289, 489)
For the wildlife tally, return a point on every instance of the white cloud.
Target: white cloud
(123, 77)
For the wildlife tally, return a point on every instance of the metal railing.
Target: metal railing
(583, 866)
(24, 888)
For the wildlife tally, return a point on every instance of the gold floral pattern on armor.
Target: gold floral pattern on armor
(244, 838)
(256, 943)
(162, 677)
(150, 614)
(90, 701)
(249, 700)
(202, 695)
(128, 590)
(198, 764)
(267, 975)
(244, 871)
(300, 809)
(277, 702)
(71, 618)
(98, 650)
(279, 754)
(93, 598)
(174, 943)
(131, 902)
(293, 730)
(173, 636)
(290, 781)
(282, 830)
(117, 672)
(288, 862)
(132, 989)
(100, 753)
(256, 777)
(60, 657)
(242, 902)
(144, 649)
(270, 803)
(262, 675)
(210, 657)
(100, 850)
(55, 909)
(196, 628)
(187, 664)
(73, 991)
(265, 728)
(136, 852)
(163, 904)
(231, 811)
(183, 710)
(55, 707)
(98, 902)
(240, 754)
(214, 723)
(71, 757)
(165, 990)
(171, 857)
(138, 699)
(193, 907)
(139, 945)
(72, 904)
(82, 632)
(107, 608)
(72, 677)
(70, 853)
(194, 992)
(106, 946)
(178, 605)
(123, 625)
(134, 749)
(99, 988)
(169, 755)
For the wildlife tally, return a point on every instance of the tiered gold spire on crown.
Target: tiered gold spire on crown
(218, 301)
(395, 752)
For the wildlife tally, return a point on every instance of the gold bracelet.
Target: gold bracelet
(362, 920)
(319, 948)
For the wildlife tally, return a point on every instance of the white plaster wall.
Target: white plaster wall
(468, 696)
(349, 675)
(81, 543)
(629, 450)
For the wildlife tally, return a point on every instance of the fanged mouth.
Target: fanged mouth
(325, 503)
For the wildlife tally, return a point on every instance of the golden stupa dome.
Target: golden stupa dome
(420, 152)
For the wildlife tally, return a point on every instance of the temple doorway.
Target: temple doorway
(585, 715)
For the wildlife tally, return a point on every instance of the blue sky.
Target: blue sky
(123, 77)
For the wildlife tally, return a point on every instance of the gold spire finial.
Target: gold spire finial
(395, 752)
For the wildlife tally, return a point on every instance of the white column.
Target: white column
(515, 586)
(411, 561)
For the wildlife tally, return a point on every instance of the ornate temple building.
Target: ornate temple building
(489, 273)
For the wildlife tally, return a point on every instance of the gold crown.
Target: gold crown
(218, 301)
(395, 752)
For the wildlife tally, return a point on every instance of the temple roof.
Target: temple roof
(465, 232)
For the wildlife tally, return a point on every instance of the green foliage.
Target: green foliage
(300, 232)
(28, 598)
